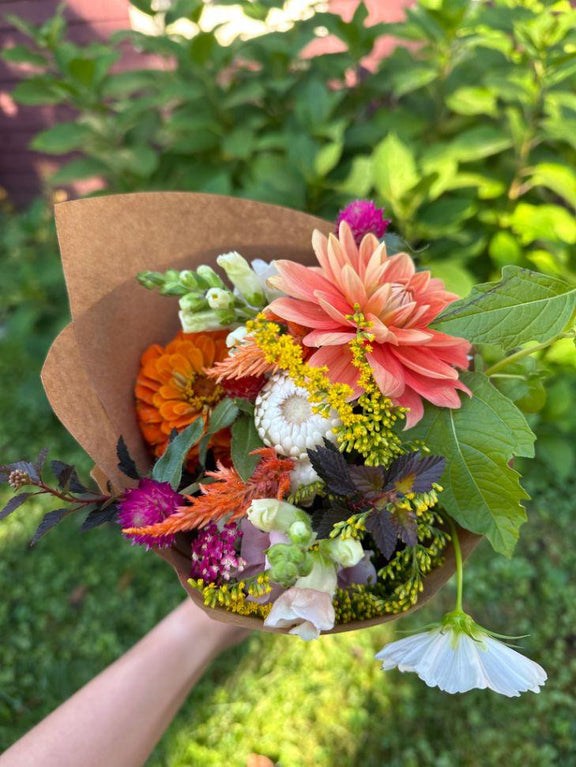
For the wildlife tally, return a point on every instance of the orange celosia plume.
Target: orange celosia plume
(229, 496)
(247, 360)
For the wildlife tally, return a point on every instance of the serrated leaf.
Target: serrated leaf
(481, 491)
(406, 526)
(169, 467)
(67, 477)
(40, 461)
(245, 439)
(125, 461)
(380, 526)
(324, 520)
(523, 306)
(99, 516)
(332, 468)
(50, 520)
(14, 503)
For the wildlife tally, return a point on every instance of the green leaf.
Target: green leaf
(481, 492)
(523, 306)
(394, 169)
(543, 222)
(37, 91)
(456, 278)
(560, 179)
(169, 467)
(328, 158)
(472, 101)
(477, 143)
(407, 80)
(83, 167)
(64, 137)
(245, 439)
(21, 54)
(223, 415)
(505, 249)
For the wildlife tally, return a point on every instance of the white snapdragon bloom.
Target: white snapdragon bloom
(306, 610)
(243, 277)
(269, 514)
(219, 299)
(265, 271)
(236, 337)
(458, 655)
(346, 552)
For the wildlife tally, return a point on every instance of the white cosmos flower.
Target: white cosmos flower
(458, 655)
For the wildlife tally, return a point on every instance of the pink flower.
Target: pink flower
(363, 217)
(410, 361)
(147, 504)
(308, 612)
(214, 557)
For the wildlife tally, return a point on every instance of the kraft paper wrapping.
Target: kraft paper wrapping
(90, 370)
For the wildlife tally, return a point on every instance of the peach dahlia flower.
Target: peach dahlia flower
(409, 360)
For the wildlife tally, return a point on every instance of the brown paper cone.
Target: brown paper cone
(90, 371)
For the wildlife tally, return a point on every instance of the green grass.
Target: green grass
(76, 602)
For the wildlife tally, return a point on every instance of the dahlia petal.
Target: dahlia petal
(338, 316)
(346, 237)
(388, 372)
(400, 268)
(378, 300)
(413, 401)
(375, 268)
(411, 336)
(352, 286)
(304, 313)
(327, 338)
(299, 281)
(336, 255)
(381, 333)
(320, 247)
(424, 362)
(442, 393)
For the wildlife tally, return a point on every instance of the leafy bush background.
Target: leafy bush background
(467, 136)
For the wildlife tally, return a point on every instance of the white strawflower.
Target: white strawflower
(302, 474)
(285, 420)
(458, 655)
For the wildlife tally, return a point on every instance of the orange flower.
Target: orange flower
(229, 496)
(172, 388)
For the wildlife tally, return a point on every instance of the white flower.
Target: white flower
(322, 577)
(302, 474)
(243, 277)
(219, 299)
(265, 271)
(285, 420)
(308, 612)
(269, 514)
(458, 655)
(236, 337)
(346, 552)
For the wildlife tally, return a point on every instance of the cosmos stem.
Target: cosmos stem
(459, 566)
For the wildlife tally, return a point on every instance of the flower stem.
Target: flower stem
(523, 353)
(459, 567)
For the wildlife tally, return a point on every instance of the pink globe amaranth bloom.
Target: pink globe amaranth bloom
(410, 361)
(214, 557)
(363, 217)
(147, 504)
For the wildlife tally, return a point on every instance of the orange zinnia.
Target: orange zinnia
(172, 389)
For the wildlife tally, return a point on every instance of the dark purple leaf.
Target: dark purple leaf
(368, 480)
(325, 519)
(380, 526)
(330, 465)
(126, 463)
(67, 477)
(40, 461)
(405, 525)
(15, 502)
(50, 520)
(99, 516)
(414, 473)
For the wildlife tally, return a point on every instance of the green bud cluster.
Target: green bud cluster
(288, 562)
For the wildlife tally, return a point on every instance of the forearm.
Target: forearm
(119, 716)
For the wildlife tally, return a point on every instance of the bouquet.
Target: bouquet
(309, 428)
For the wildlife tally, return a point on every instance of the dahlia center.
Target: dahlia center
(296, 409)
